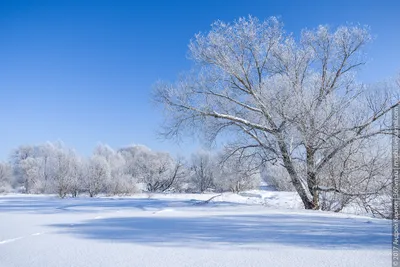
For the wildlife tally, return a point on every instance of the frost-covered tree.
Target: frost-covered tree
(360, 173)
(121, 181)
(129, 154)
(204, 168)
(236, 173)
(44, 153)
(98, 173)
(292, 101)
(64, 171)
(6, 176)
(29, 170)
(77, 176)
(17, 159)
(157, 170)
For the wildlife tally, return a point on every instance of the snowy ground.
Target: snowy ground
(180, 230)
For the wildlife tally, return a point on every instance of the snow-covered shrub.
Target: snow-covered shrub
(236, 175)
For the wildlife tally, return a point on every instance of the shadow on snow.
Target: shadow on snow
(284, 229)
(53, 205)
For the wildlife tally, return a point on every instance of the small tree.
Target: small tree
(98, 172)
(122, 179)
(359, 174)
(158, 170)
(77, 174)
(5, 177)
(204, 170)
(62, 164)
(237, 173)
(22, 174)
(30, 171)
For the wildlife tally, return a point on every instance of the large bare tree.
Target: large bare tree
(293, 101)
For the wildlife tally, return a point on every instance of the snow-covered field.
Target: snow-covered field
(181, 230)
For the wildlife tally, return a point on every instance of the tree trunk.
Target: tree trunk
(312, 177)
(288, 164)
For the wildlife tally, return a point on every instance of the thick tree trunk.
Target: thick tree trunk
(288, 164)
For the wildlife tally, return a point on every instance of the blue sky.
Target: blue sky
(82, 71)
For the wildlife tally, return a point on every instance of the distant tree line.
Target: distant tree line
(53, 168)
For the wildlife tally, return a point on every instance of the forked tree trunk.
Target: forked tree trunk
(288, 164)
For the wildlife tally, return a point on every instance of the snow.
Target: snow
(255, 228)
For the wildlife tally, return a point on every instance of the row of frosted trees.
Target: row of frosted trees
(53, 168)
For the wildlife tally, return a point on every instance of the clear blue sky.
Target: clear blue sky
(82, 71)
